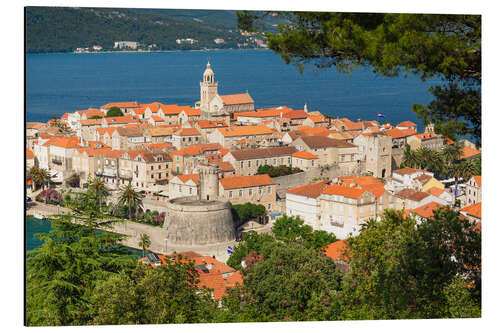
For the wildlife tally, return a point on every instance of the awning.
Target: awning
(275, 214)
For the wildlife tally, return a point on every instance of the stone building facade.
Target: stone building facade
(375, 149)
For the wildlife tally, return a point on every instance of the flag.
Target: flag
(229, 247)
(380, 115)
(229, 251)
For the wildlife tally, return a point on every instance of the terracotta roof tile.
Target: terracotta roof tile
(473, 210)
(304, 155)
(426, 210)
(160, 131)
(187, 132)
(236, 99)
(406, 123)
(407, 171)
(426, 136)
(121, 119)
(233, 182)
(411, 194)
(160, 145)
(120, 105)
(337, 250)
(91, 122)
(210, 123)
(66, 142)
(468, 152)
(397, 133)
(295, 114)
(477, 179)
(245, 130)
(344, 191)
(188, 177)
(313, 190)
(29, 154)
(157, 118)
(246, 154)
(315, 141)
(435, 191)
(109, 130)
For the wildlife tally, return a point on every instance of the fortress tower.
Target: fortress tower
(209, 181)
(208, 88)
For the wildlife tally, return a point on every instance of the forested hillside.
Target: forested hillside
(61, 29)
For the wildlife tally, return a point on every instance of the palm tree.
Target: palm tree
(451, 154)
(144, 242)
(465, 170)
(130, 198)
(98, 189)
(34, 174)
(410, 158)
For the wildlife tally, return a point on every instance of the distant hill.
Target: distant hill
(64, 29)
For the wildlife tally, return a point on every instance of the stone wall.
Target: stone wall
(190, 222)
(397, 157)
(285, 183)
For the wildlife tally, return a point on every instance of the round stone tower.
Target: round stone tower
(208, 178)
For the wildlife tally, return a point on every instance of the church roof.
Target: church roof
(236, 99)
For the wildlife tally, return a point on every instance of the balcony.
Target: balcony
(125, 174)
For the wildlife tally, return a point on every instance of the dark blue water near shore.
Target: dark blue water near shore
(58, 83)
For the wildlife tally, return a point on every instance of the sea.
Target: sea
(59, 83)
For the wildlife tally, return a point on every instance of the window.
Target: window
(260, 191)
(230, 194)
(159, 175)
(180, 188)
(268, 206)
(274, 161)
(152, 167)
(352, 157)
(312, 162)
(152, 176)
(190, 190)
(241, 164)
(342, 158)
(106, 162)
(269, 189)
(250, 192)
(289, 160)
(159, 166)
(249, 164)
(241, 193)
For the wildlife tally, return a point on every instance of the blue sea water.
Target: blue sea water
(36, 226)
(59, 83)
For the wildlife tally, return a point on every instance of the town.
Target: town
(191, 165)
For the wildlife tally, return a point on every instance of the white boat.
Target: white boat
(39, 216)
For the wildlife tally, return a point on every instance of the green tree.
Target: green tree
(97, 117)
(131, 199)
(114, 111)
(309, 284)
(399, 269)
(410, 158)
(243, 213)
(165, 294)
(292, 229)
(144, 242)
(445, 47)
(97, 190)
(61, 273)
(250, 242)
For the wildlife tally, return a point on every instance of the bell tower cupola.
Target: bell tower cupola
(208, 88)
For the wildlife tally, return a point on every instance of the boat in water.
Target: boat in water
(39, 216)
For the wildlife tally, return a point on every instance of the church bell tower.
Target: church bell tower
(208, 88)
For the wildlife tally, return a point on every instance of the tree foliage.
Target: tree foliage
(272, 171)
(245, 212)
(399, 269)
(114, 111)
(444, 47)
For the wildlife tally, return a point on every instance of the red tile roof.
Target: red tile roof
(468, 152)
(304, 155)
(188, 177)
(426, 210)
(397, 133)
(348, 192)
(407, 171)
(29, 153)
(295, 114)
(187, 132)
(313, 190)
(236, 99)
(412, 194)
(435, 191)
(473, 210)
(160, 145)
(120, 105)
(210, 123)
(426, 136)
(121, 119)
(477, 179)
(67, 142)
(233, 182)
(406, 124)
(337, 250)
(103, 130)
(246, 130)
(157, 118)
(197, 149)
